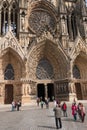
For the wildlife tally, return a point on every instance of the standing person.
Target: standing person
(82, 108)
(74, 111)
(64, 109)
(38, 101)
(47, 102)
(13, 105)
(54, 102)
(42, 103)
(58, 114)
(18, 105)
(79, 110)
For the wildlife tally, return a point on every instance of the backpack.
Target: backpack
(64, 107)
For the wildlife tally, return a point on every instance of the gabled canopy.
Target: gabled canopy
(9, 41)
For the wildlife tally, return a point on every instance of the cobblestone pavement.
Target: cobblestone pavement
(32, 117)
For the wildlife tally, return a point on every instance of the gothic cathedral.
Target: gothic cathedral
(43, 50)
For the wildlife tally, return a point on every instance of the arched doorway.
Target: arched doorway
(50, 89)
(78, 91)
(41, 91)
(8, 94)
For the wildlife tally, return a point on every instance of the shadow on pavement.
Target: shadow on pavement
(51, 116)
(50, 127)
(71, 120)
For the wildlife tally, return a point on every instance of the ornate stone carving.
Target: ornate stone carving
(40, 21)
(10, 41)
(44, 70)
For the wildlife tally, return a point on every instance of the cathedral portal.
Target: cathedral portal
(43, 50)
(8, 94)
(45, 91)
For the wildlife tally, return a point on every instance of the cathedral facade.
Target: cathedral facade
(43, 50)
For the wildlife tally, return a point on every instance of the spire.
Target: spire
(62, 6)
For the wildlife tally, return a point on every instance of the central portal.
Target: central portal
(41, 91)
(50, 88)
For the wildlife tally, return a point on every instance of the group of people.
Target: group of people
(42, 102)
(62, 108)
(16, 105)
(78, 110)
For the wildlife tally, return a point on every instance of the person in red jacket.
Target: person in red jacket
(64, 109)
(74, 111)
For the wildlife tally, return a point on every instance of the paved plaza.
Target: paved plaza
(32, 117)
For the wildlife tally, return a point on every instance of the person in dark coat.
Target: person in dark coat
(58, 114)
(18, 105)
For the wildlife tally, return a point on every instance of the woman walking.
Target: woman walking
(82, 108)
(74, 111)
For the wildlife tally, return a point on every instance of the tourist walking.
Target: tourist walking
(79, 110)
(38, 101)
(47, 102)
(42, 103)
(58, 114)
(64, 109)
(74, 111)
(13, 105)
(55, 103)
(82, 108)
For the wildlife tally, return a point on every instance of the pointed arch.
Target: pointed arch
(9, 17)
(74, 25)
(58, 61)
(14, 17)
(4, 17)
(76, 72)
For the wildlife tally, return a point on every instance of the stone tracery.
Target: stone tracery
(40, 21)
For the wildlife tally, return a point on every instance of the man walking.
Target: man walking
(58, 114)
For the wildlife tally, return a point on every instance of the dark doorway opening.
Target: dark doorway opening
(41, 91)
(8, 93)
(50, 88)
(78, 91)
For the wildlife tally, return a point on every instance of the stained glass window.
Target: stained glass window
(76, 72)
(9, 73)
(44, 69)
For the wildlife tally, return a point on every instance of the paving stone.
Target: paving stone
(35, 118)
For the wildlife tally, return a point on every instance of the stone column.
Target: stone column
(4, 22)
(9, 20)
(0, 22)
(70, 29)
(46, 91)
(23, 90)
(70, 70)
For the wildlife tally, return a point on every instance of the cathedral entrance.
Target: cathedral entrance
(50, 88)
(78, 91)
(8, 94)
(41, 91)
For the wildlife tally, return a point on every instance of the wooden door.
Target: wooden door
(78, 91)
(8, 93)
